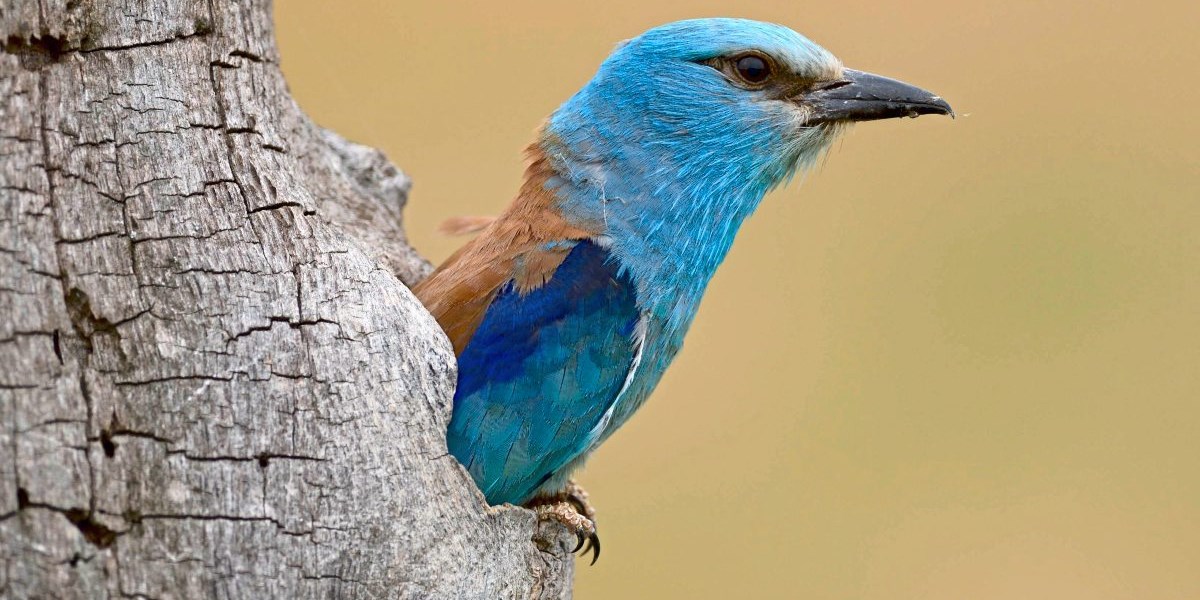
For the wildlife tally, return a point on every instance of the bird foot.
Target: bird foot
(571, 508)
(578, 497)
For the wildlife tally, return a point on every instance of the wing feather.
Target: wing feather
(542, 372)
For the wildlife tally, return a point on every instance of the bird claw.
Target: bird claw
(593, 543)
(568, 514)
(588, 542)
(578, 497)
(571, 509)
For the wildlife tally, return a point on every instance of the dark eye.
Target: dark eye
(753, 69)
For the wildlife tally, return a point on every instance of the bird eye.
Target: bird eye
(752, 68)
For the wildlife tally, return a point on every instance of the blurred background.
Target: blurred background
(959, 360)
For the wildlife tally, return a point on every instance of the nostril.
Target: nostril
(832, 85)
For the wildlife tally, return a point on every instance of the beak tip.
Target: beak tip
(941, 103)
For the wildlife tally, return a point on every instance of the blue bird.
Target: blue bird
(566, 309)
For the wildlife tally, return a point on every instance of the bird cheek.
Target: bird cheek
(794, 118)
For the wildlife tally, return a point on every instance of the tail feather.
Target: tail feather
(465, 225)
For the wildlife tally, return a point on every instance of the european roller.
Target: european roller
(566, 309)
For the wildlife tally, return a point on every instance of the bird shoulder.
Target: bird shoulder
(524, 245)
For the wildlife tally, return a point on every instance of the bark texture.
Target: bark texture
(214, 382)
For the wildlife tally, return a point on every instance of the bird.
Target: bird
(566, 309)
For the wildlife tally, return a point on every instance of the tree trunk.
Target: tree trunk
(213, 380)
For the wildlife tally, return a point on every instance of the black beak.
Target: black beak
(860, 96)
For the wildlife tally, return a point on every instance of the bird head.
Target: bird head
(684, 128)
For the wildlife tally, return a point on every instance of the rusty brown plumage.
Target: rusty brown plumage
(516, 246)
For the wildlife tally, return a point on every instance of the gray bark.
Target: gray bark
(214, 382)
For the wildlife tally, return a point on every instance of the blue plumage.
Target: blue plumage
(540, 373)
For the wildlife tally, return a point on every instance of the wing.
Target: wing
(538, 377)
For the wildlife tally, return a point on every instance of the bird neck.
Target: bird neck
(670, 228)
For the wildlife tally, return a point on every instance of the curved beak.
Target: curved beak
(860, 96)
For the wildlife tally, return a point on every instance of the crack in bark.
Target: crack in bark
(279, 205)
(297, 324)
(35, 52)
(87, 47)
(170, 379)
(96, 533)
(88, 325)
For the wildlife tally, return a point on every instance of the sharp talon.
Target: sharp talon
(582, 539)
(594, 544)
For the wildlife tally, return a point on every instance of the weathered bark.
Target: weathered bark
(213, 380)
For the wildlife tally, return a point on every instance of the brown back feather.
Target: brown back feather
(511, 248)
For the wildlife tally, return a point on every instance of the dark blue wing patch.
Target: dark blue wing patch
(540, 373)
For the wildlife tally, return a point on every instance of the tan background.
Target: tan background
(959, 361)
